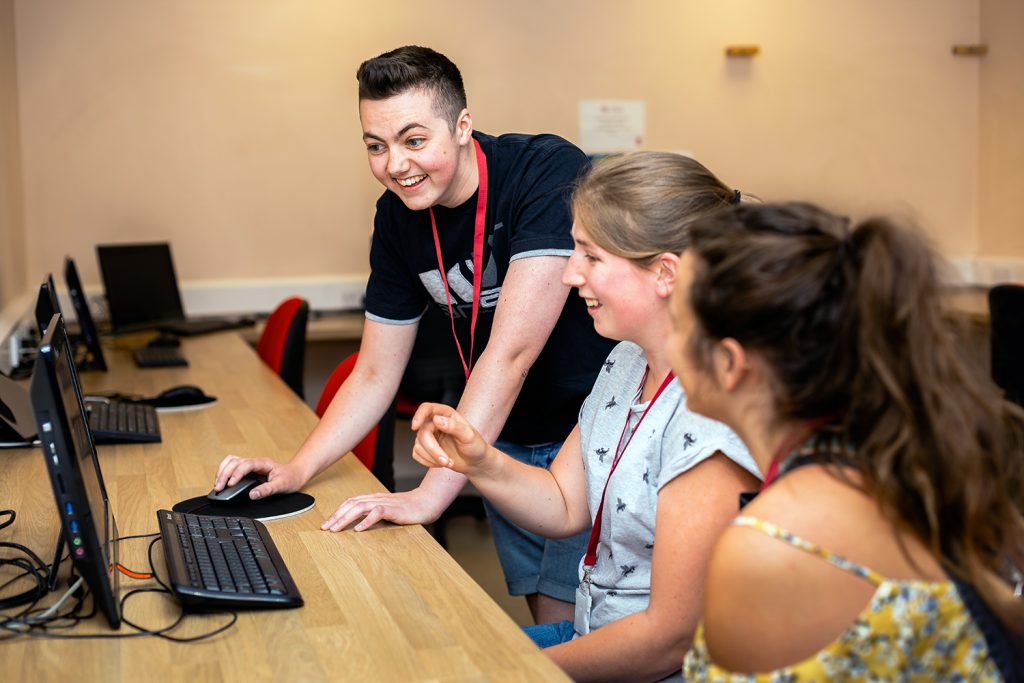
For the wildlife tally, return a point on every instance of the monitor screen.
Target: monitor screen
(78, 489)
(95, 357)
(46, 304)
(141, 287)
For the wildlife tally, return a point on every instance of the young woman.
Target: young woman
(894, 471)
(658, 482)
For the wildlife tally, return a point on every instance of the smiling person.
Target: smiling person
(478, 227)
(658, 482)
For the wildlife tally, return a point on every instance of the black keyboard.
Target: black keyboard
(195, 326)
(117, 422)
(218, 561)
(159, 357)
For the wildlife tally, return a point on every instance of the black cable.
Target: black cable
(72, 618)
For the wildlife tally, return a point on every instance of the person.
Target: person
(890, 530)
(657, 481)
(479, 228)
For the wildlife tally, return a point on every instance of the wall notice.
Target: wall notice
(612, 125)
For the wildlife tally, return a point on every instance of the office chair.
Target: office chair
(282, 345)
(376, 450)
(1006, 319)
(435, 374)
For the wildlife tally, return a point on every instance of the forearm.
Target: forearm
(655, 648)
(348, 419)
(532, 497)
(492, 390)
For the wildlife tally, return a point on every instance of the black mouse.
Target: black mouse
(239, 491)
(164, 340)
(181, 396)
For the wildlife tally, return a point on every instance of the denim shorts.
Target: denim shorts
(533, 564)
(549, 635)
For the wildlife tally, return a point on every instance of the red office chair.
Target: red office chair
(376, 450)
(282, 344)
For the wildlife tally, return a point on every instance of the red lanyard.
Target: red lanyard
(478, 258)
(595, 532)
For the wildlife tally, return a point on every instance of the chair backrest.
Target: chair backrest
(1006, 314)
(376, 450)
(282, 345)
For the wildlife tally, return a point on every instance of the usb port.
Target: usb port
(67, 508)
(73, 525)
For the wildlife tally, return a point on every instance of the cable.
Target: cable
(43, 624)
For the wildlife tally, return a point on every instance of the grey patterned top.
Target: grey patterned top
(670, 440)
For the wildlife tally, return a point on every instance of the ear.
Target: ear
(665, 267)
(731, 362)
(464, 128)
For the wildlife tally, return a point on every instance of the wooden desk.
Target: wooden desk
(382, 605)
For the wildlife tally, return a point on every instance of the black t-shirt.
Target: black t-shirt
(530, 182)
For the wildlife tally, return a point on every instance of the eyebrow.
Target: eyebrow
(406, 129)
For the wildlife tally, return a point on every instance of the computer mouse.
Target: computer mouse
(164, 340)
(239, 491)
(181, 396)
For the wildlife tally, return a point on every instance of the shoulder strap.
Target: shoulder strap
(792, 539)
(1004, 647)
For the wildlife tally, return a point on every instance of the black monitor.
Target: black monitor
(78, 488)
(140, 283)
(47, 304)
(94, 352)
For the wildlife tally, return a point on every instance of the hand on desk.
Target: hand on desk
(419, 506)
(281, 478)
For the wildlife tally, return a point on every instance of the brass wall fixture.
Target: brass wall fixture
(970, 50)
(742, 50)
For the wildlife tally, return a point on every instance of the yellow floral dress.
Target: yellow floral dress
(910, 631)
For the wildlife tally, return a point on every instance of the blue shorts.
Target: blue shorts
(549, 635)
(532, 563)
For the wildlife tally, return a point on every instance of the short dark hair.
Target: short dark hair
(411, 67)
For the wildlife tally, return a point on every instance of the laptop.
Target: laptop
(17, 422)
(142, 291)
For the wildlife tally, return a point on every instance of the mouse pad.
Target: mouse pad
(275, 507)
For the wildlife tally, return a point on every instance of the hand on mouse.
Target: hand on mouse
(281, 478)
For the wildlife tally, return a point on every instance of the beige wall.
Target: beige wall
(1001, 160)
(230, 127)
(12, 228)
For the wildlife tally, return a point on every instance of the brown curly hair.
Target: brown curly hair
(853, 323)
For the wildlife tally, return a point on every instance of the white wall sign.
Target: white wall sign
(612, 125)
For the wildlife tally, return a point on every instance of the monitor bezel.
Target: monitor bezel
(86, 324)
(47, 304)
(95, 564)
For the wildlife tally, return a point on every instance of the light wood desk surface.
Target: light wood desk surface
(387, 604)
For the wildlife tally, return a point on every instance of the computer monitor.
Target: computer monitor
(78, 489)
(47, 304)
(141, 286)
(94, 352)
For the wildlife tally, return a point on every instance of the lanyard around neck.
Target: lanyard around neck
(787, 446)
(595, 532)
(478, 259)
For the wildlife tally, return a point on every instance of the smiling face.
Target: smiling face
(414, 153)
(621, 296)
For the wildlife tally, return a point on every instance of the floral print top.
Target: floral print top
(910, 631)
